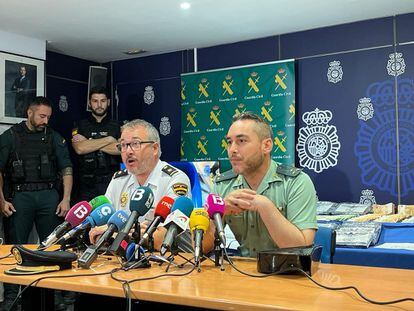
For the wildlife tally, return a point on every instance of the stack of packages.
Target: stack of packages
(331, 211)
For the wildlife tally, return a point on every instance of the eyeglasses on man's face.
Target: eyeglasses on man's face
(134, 144)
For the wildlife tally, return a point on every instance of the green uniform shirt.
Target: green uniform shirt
(7, 142)
(291, 191)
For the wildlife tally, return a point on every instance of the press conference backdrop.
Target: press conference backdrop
(211, 98)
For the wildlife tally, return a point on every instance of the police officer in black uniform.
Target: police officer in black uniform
(94, 140)
(34, 159)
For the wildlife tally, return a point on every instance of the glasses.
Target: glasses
(135, 145)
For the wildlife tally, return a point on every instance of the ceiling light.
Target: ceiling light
(134, 52)
(185, 5)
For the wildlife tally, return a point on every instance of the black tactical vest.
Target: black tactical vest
(33, 159)
(98, 166)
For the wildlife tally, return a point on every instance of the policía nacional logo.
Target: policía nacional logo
(318, 145)
(335, 72)
(191, 117)
(376, 143)
(280, 78)
(165, 126)
(265, 111)
(367, 197)
(365, 109)
(253, 81)
(214, 115)
(227, 85)
(202, 145)
(395, 64)
(149, 95)
(63, 103)
(203, 87)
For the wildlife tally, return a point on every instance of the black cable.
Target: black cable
(34, 283)
(295, 269)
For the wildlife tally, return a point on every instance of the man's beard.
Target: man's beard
(37, 127)
(99, 114)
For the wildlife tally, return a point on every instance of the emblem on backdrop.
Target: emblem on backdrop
(183, 86)
(202, 145)
(252, 81)
(240, 109)
(367, 197)
(191, 117)
(279, 141)
(203, 87)
(335, 72)
(227, 85)
(376, 143)
(214, 115)
(365, 109)
(396, 64)
(63, 103)
(165, 126)
(280, 78)
(318, 145)
(265, 111)
(149, 95)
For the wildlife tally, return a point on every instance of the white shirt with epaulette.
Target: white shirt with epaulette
(164, 180)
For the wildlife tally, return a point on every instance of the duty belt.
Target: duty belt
(33, 186)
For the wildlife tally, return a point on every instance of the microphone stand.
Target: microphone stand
(141, 261)
(218, 252)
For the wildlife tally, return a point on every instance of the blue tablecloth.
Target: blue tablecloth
(379, 257)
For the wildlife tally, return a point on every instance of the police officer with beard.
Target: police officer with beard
(94, 139)
(33, 160)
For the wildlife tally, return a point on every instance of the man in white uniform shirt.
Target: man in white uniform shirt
(141, 150)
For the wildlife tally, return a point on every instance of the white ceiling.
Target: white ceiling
(100, 30)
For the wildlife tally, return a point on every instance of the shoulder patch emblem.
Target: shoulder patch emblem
(120, 173)
(169, 170)
(124, 199)
(288, 170)
(180, 189)
(226, 176)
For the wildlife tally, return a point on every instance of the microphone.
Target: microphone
(140, 202)
(73, 218)
(199, 223)
(176, 222)
(215, 209)
(98, 217)
(115, 223)
(98, 201)
(161, 212)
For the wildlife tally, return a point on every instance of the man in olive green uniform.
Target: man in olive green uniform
(33, 157)
(268, 205)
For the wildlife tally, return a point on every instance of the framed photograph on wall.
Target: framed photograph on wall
(21, 79)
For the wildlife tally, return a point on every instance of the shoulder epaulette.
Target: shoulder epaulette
(169, 170)
(225, 176)
(288, 170)
(120, 173)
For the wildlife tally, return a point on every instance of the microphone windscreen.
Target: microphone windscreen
(98, 201)
(184, 204)
(119, 218)
(101, 214)
(141, 200)
(215, 204)
(163, 207)
(78, 213)
(199, 219)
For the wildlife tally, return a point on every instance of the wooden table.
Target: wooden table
(230, 290)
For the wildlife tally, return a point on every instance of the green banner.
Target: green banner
(211, 98)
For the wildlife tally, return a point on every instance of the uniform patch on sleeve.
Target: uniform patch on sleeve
(120, 173)
(180, 189)
(169, 170)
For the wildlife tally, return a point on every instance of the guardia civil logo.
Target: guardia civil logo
(335, 72)
(253, 81)
(203, 88)
(191, 117)
(266, 110)
(318, 145)
(227, 85)
(280, 78)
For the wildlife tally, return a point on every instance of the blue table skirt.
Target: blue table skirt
(380, 257)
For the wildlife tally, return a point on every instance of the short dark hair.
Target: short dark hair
(263, 129)
(98, 90)
(40, 100)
